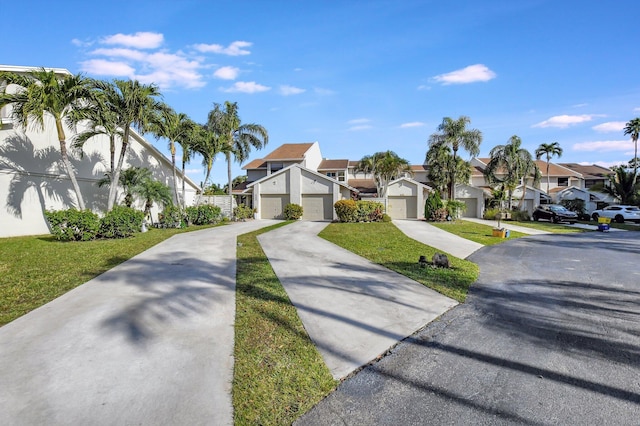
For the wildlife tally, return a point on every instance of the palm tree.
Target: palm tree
(45, 92)
(548, 150)
(622, 186)
(508, 165)
(206, 143)
(384, 166)
(439, 161)
(152, 191)
(177, 128)
(134, 105)
(454, 133)
(129, 179)
(188, 146)
(633, 128)
(236, 138)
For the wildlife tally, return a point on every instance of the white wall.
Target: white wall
(313, 157)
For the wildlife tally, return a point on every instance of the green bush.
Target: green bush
(431, 204)
(292, 211)
(455, 208)
(520, 215)
(204, 214)
(576, 205)
(242, 212)
(386, 218)
(172, 217)
(346, 210)
(121, 222)
(490, 214)
(369, 211)
(440, 215)
(73, 225)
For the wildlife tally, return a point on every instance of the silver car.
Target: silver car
(618, 213)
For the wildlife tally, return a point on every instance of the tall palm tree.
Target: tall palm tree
(439, 161)
(175, 127)
(237, 138)
(44, 93)
(384, 166)
(129, 179)
(622, 186)
(508, 165)
(135, 105)
(188, 146)
(454, 133)
(633, 129)
(548, 150)
(208, 144)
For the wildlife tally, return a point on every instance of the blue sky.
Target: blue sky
(362, 76)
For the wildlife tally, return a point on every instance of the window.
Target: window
(331, 174)
(341, 176)
(563, 181)
(276, 166)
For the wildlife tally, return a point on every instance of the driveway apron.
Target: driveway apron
(353, 310)
(437, 238)
(149, 342)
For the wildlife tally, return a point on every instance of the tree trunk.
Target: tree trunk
(115, 177)
(175, 176)
(635, 160)
(228, 155)
(547, 175)
(68, 165)
(452, 176)
(184, 199)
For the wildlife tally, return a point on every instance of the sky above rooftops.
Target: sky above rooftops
(361, 76)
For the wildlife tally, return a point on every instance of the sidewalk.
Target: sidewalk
(428, 234)
(353, 310)
(149, 342)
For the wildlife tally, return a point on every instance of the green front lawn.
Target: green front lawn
(384, 244)
(482, 234)
(278, 373)
(35, 270)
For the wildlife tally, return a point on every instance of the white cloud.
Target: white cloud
(563, 121)
(246, 87)
(606, 164)
(609, 127)
(412, 124)
(424, 87)
(105, 67)
(139, 40)
(579, 105)
(323, 92)
(358, 128)
(81, 43)
(470, 74)
(619, 145)
(227, 73)
(636, 109)
(234, 49)
(286, 90)
(132, 54)
(359, 121)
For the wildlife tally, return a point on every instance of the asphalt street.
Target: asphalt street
(550, 334)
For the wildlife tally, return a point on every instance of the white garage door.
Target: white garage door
(403, 207)
(472, 207)
(317, 206)
(272, 206)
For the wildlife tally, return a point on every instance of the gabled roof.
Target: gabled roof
(289, 151)
(255, 164)
(412, 181)
(333, 164)
(353, 163)
(279, 172)
(363, 185)
(554, 169)
(419, 168)
(592, 171)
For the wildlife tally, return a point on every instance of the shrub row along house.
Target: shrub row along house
(33, 177)
(297, 173)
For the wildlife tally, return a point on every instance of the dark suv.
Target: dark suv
(555, 213)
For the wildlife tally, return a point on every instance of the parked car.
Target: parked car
(554, 213)
(618, 213)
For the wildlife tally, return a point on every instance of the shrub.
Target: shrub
(440, 215)
(455, 208)
(369, 211)
(386, 218)
(431, 204)
(172, 217)
(346, 210)
(121, 222)
(73, 225)
(292, 211)
(520, 215)
(490, 214)
(204, 214)
(576, 205)
(242, 212)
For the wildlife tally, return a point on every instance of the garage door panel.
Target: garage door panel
(317, 206)
(472, 207)
(272, 206)
(402, 207)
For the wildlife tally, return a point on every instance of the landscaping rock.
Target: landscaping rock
(441, 260)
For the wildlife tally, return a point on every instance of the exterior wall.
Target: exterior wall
(466, 191)
(256, 174)
(313, 157)
(33, 177)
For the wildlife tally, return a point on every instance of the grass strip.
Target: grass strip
(279, 374)
(386, 245)
(556, 228)
(477, 232)
(34, 270)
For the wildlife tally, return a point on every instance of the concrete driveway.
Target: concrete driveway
(550, 334)
(149, 342)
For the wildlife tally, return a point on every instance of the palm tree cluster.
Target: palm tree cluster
(112, 109)
(384, 167)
